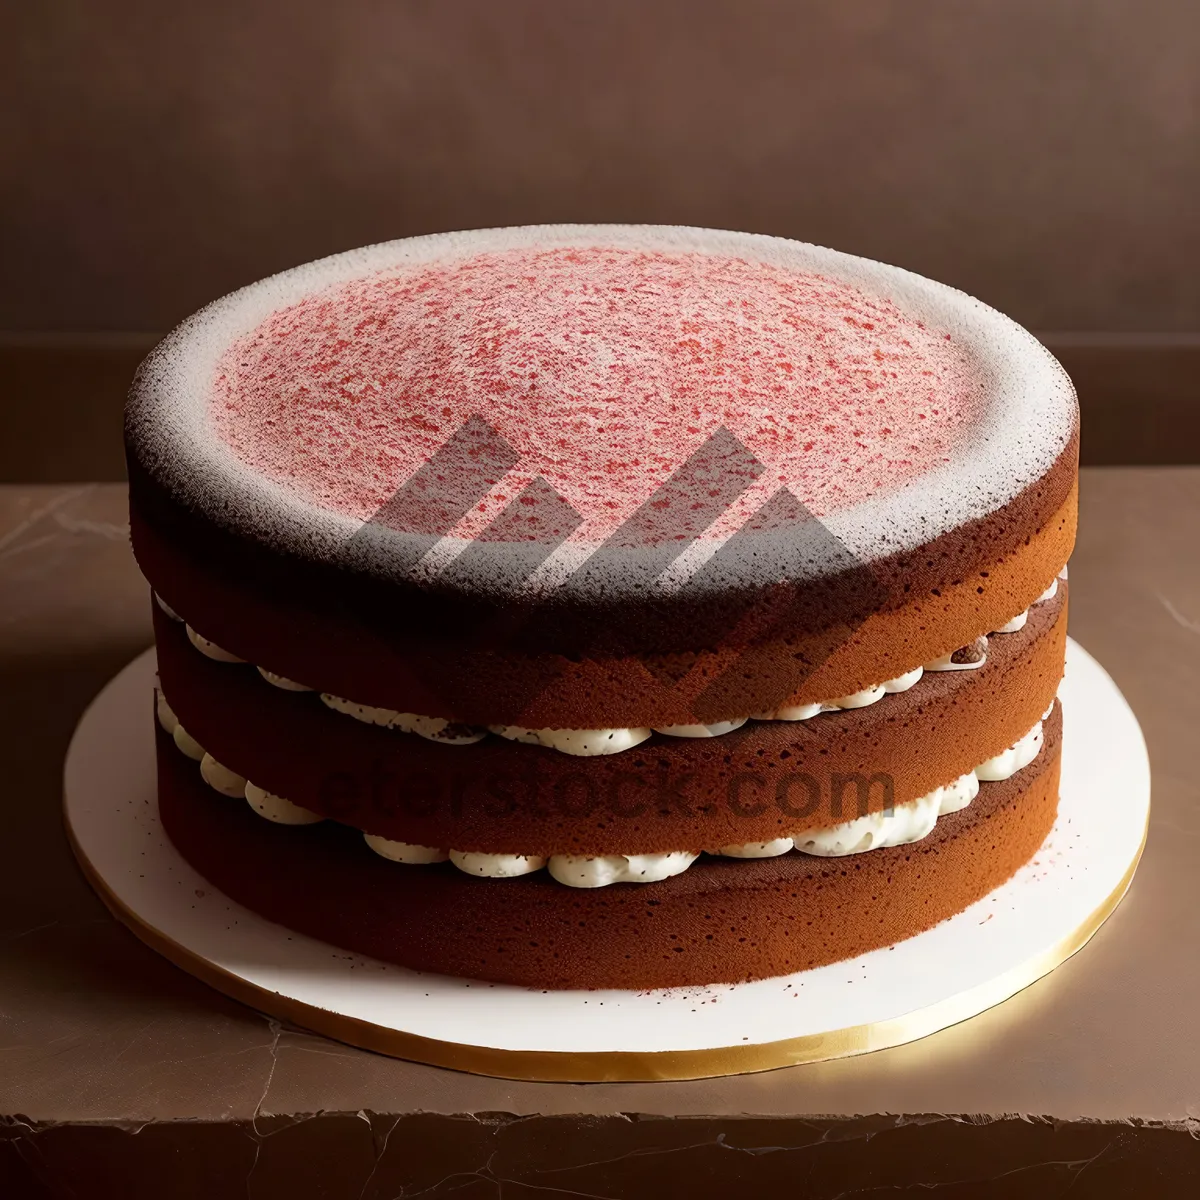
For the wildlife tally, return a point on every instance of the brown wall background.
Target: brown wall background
(1042, 154)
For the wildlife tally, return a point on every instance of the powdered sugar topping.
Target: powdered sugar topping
(604, 369)
(597, 359)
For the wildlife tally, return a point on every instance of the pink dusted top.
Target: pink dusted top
(604, 369)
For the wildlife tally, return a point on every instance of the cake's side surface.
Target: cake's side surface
(722, 921)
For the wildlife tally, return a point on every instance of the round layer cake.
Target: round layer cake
(603, 606)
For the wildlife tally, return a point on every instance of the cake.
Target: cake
(605, 606)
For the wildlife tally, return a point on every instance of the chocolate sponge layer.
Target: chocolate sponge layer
(721, 921)
(591, 659)
(762, 781)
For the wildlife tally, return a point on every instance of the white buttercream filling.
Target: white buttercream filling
(946, 661)
(225, 781)
(404, 852)
(1009, 762)
(860, 699)
(280, 681)
(903, 824)
(435, 729)
(496, 866)
(771, 849)
(1017, 623)
(587, 871)
(575, 741)
(210, 649)
(166, 608)
(277, 809)
(188, 744)
(945, 664)
(170, 722)
(589, 742)
(228, 782)
(701, 731)
(165, 713)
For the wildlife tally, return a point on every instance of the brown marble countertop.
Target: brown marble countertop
(116, 1067)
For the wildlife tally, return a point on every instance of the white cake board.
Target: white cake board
(966, 964)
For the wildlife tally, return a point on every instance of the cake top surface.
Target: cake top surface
(604, 369)
(581, 385)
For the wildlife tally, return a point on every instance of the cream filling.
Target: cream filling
(771, 849)
(436, 729)
(593, 872)
(167, 608)
(1008, 762)
(905, 823)
(404, 852)
(590, 742)
(946, 661)
(281, 681)
(871, 695)
(496, 866)
(701, 731)
(898, 826)
(1017, 623)
(170, 722)
(210, 649)
(585, 742)
(277, 809)
(227, 782)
